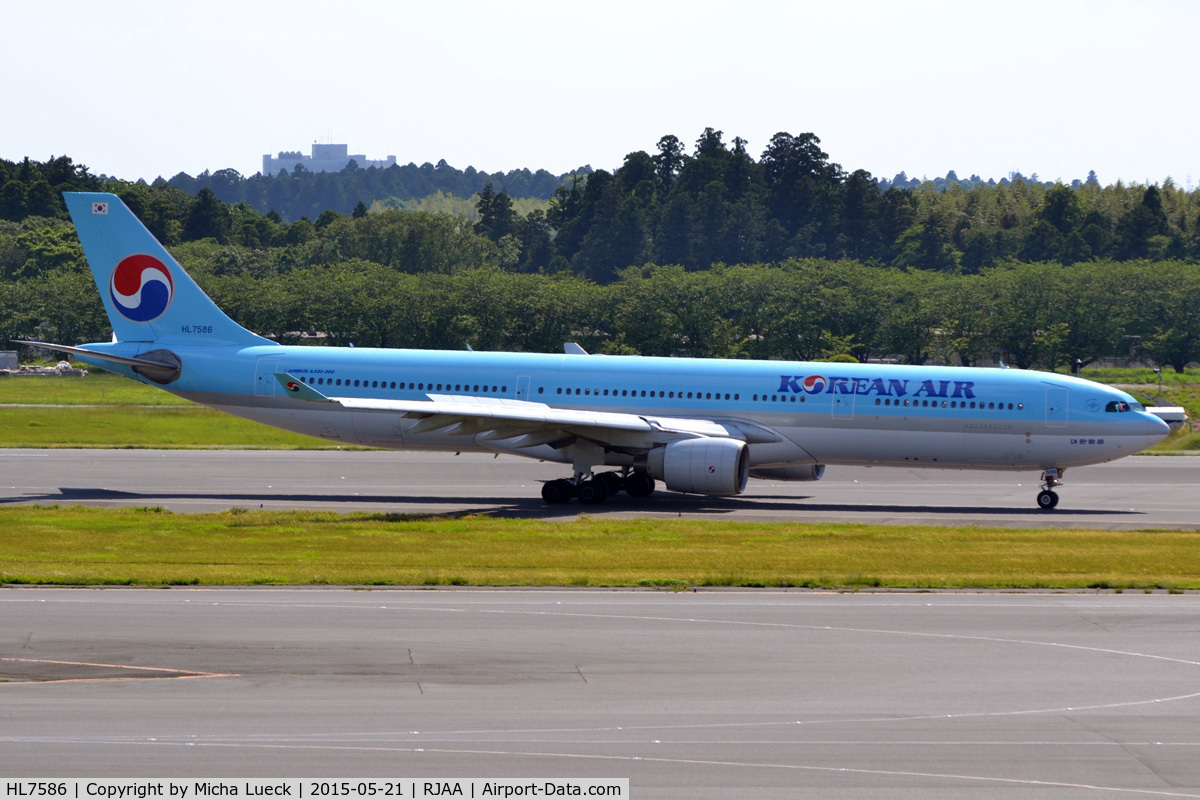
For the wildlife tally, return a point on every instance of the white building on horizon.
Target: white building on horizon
(324, 158)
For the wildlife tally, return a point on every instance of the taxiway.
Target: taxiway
(1133, 493)
(721, 694)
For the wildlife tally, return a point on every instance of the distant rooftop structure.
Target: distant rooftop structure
(324, 158)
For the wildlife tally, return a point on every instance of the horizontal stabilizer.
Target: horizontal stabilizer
(79, 351)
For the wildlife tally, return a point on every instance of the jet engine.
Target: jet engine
(701, 466)
(790, 472)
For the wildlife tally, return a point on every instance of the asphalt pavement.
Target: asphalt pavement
(1132, 493)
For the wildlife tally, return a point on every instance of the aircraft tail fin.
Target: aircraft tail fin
(148, 296)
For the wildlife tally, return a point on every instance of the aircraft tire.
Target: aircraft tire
(639, 484)
(1047, 499)
(612, 481)
(593, 492)
(557, 492)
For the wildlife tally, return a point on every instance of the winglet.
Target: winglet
(299, 389)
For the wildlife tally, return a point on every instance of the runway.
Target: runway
(1133, 493)
(756, 694)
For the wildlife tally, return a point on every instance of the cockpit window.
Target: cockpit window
(1119, 406)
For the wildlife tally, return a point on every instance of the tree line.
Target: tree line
(720, 205)
(1029, 315)
(301, 193)
(716, 204)
(512, 281)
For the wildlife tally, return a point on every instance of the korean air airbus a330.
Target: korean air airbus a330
(696, 425)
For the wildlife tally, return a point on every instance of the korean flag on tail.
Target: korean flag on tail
(100, 208)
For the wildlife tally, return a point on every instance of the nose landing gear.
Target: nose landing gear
(1048, 498)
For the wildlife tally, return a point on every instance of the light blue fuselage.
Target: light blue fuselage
(828, 413)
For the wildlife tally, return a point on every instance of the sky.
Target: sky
(1055, 88)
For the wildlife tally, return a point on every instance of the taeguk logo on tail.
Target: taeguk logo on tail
(141, 288)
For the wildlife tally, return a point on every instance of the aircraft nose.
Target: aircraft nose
(1156, 428)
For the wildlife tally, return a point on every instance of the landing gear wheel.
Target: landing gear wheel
(639, 484)
(1047, 499)
(557, 492)
(612, 481)
(593, 492)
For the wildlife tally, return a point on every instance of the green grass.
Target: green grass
(95, 388)
(79, 545)
(135, 427)
(125, 414)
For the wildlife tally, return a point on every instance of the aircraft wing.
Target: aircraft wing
(495, 419)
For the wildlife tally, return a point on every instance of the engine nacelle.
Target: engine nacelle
(791, 472)
(702, 466)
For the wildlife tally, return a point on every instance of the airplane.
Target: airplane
(702, 426)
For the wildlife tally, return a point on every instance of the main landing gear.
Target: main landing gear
(1048, 498)
(598, 487)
